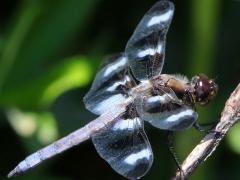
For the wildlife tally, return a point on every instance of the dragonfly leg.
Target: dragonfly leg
(202, 127)
(173, 153)
(199, 127)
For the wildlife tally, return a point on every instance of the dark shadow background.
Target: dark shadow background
(50, 51)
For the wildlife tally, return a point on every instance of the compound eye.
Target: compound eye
(205, 89)
(201, 94)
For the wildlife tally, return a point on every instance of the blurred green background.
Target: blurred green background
(50, 52)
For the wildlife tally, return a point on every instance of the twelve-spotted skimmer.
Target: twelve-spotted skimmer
(128, 90)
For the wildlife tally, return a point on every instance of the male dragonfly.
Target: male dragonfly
(128, 90)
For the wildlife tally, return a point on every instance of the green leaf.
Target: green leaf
(27, 15)
(205, 17)
(51, 33)
(70, 73)
(233, 138)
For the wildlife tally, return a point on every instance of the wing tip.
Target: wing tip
(165, 3)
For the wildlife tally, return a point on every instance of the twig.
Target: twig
(229, 116)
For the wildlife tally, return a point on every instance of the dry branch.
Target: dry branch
(229, 116)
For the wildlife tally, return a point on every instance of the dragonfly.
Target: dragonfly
(129, 90)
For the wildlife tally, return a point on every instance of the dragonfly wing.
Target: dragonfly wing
(166, 111)
(110, 85)
(125, 146)
(146, 48)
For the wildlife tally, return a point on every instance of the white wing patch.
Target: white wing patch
(133, 158)
(161, 18)
(127, 124)
(108, 103)
(175, 117)
(115, 66)
(163, 99)
(150, 51)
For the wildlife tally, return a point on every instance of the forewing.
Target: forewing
(124, 145)
(110, 86)
(165, 111)
(146, 48)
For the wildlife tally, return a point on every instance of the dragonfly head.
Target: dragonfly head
(205, 89)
